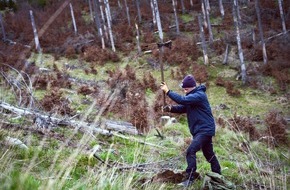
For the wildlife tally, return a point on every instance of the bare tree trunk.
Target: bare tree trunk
(204, 49)
(161, 49)
(207, 5)
(96, 9)
(2, 27)
(91, 10)
(73, 18)
(108, 13)
(119, 4)
(103, 18)
(191, 4)
(138, 11)
(253, 36)
(239, 19)
(36, 39)
(222, 8)
(153, 13)
(127, 12)
(138, 40)
(208, 21)
(204, 13)
(176, 17)
(182, 6)
(261, 31)
(225, 61)
(241, 56)
(282, 15)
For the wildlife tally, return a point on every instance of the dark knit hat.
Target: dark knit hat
(188, 82)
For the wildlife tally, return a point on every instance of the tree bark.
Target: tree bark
(222, 11)
(109, 22)
(36, 39)
(241, 56)
(261, 31)
(206, 3)
(138, 11)
(204, 49)
(96, 9)
(176, 17)
(127, 12)
(102, 127)
(91, 10)
(282, 16)
(2, 27)
(73, 18)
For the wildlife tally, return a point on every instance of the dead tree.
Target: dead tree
(127, 12)
(153, 13)
(261, 31)
(138, 39)
(282, 16)
(103, 18)
(73, 18)
(239, 19)
(36, 39)
(2, 27)
(138, 11)
(91, 10)
(222, 8)
(161, 49)
(228, 47)
(204, 48)
(182, 6)
(109, 22)
(96, 9)
(206, 5)
(176, 18)
(241, 56)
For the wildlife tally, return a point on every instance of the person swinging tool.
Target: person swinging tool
(200, 122)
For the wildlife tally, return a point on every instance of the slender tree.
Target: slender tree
(127, 12)
(138, 11)
(182, 6)
(109, 22)
(91, 10)
(138, 39)
(222, 8)
(208, 20)
(257, 6)
(36, 39)
(204, 48)
(241, 56)
(2, 27)
(96, 11)
(100, 6)
(161, 49)
(153, 13)
(282, 15)
(176, 17)
(73, 18)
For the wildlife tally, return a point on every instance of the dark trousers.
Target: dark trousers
(204, 143)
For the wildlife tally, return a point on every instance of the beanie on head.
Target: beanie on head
(188, 82)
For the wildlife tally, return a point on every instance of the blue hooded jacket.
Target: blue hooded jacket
(199, 115)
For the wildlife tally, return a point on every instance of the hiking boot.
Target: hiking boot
(186, 183)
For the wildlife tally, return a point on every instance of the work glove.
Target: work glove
(164, 87)
(166, 108)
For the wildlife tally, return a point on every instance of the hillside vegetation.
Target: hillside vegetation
(54, 104)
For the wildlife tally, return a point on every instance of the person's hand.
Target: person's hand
(164, 87)
(166, 108)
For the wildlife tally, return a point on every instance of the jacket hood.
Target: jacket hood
(198, 88)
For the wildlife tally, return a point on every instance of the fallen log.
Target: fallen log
(103, 127)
